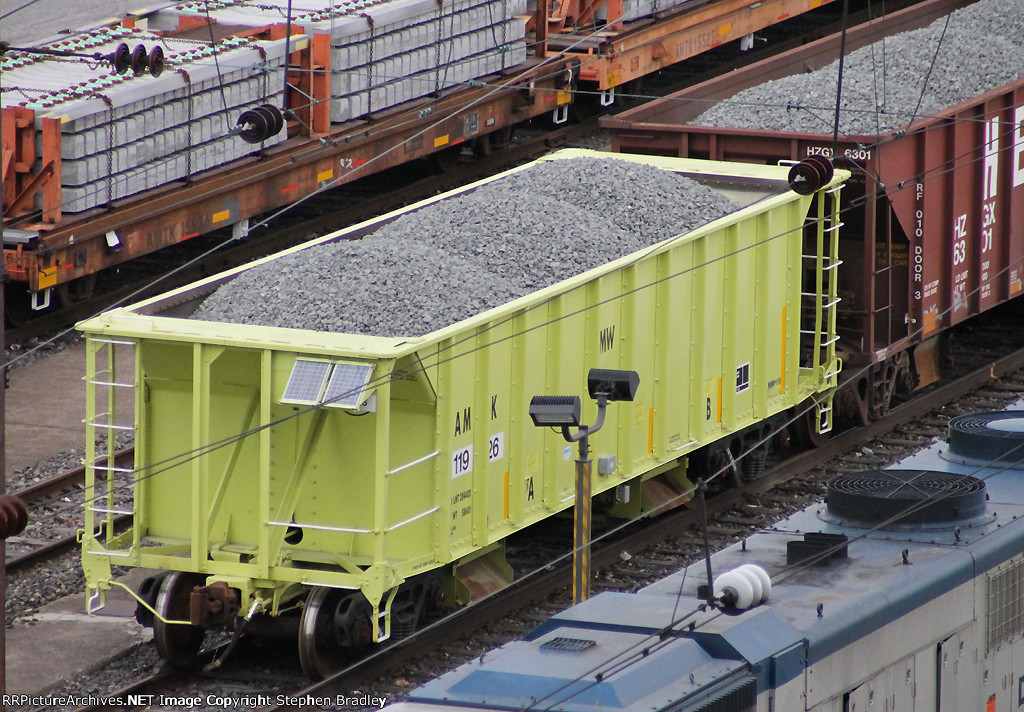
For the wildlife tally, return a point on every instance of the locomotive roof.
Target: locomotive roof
(813, 611)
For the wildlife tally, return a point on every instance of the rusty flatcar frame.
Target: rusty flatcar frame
(611, 59)
(58, 249)
(281, 176)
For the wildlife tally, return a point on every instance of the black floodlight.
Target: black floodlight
(555, 411)
(613, 384)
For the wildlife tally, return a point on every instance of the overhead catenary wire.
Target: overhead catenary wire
(157, 468)
(929, 499)
(128, 298)
(212, 249)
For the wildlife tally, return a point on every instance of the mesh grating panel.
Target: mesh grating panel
(1005, 607)
(568, 645)
(905, 496)
(739, 696)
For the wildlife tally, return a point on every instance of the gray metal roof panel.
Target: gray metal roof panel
(631, 679)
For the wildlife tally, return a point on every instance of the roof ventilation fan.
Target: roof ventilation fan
(989, 437)
(901, 497)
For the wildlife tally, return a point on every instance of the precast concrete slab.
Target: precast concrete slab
(107, 119)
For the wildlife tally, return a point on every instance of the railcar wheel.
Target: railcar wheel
(77, 291)
(491, 143)
(806, 430)
(177, 644)
(335, 623)
(17, 306)
(446, 160)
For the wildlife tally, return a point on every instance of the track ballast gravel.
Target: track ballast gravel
(459, 257)
(888, 83)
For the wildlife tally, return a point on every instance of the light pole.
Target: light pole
(604, 385)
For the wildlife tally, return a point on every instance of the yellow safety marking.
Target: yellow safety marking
(564, 97)
(506, 495)
(783, 349)
(814, 4)
(719, 401)
(725, 29)
(47, 277)
(440, 140)
(221, 216)
(650, 431)
(326, 175)
(1014, 287)
(930, 318)
(614, 78)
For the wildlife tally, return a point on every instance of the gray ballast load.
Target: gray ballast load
(454, 259)
(891, 82)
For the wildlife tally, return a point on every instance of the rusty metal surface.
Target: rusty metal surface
(614, 58)
(932, 232)
(282, 176)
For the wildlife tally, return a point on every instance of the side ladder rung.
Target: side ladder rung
(111, 426)
(126, 470)
(812, 332)
(815, 295)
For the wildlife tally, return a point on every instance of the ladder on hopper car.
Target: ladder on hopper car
(103, 425)
(820, 297)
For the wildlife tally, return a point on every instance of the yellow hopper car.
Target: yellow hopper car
(348, 484)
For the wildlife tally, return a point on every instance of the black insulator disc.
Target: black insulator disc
(121, 59)
(905, 496)
(155, 64)
(140, 60)
(825, 167)
(278, 118)
(275, 121)
(13, 516)
(992, 437)
(806, 177)
(255, 126)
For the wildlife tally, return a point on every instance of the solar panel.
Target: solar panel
(306, 382)
(345, 389)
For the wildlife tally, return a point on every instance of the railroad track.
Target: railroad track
(60, 496)
(726, 511)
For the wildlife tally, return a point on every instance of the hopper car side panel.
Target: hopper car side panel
(935, 231)
(437, 461)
